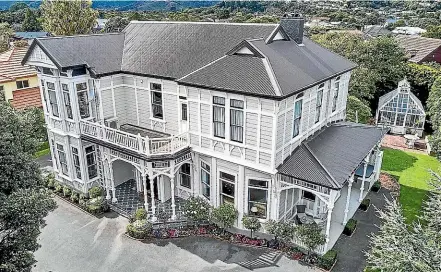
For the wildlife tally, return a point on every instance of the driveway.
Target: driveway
(75, 241)
(45, 162)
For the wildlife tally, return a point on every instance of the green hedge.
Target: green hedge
(350, 227)
(327, 261)
(365, 204)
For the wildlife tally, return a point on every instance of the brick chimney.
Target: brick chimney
(293, 25)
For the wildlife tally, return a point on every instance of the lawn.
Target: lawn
(412, 171)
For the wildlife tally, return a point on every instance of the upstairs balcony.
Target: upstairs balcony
(134, 140)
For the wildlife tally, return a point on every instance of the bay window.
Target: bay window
(219, 116)
(83, 100)
(236, 120)
(297, 117)
(205, 179)
(157, 110)
(185, 176)
(257, 197)
(91, 162)
(62, 159)
(228, 188)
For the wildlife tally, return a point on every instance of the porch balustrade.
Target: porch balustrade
(144, 145)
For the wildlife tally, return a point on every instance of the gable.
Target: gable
(37, 57)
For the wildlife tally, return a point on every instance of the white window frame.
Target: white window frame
(220, 106)
(53, 104)
(319, 103)
(219, 181)
(184, 117)
(182, 173)
(268, 182)
(152, 103)
(336, 94)
(299, 98)
(22, 84)
(95, 159)
(242, 111)
(203, 170)
(76, 162)
(82, 92)
(63, 164)
(67, 101)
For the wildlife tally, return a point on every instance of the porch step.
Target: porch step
(265, 260)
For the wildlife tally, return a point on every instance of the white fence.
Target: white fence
(144, 145)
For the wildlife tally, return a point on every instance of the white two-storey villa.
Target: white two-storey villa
(248, 114)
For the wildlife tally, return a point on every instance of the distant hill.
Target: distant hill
(129, 5)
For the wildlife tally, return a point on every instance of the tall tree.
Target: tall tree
(6, 33)
(357, 111)
(23, 200)
(68, 17)
(434, 110)
(18, 6)
(116, 24)
(30, 22)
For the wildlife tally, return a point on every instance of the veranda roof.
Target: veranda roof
(330, 157)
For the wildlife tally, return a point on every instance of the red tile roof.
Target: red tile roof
(29, 97)
(10, 65)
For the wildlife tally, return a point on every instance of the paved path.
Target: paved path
(75, 241)
(45, 162)
(351, 250)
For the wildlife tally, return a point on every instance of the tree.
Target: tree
(357, 111)
(433, 32)
(434, 111)
(116, 24)
(24, 202)
(68, 17)
(30, 22)
(400, 247)
(6, 33)
(311, 236)
(18, 6)
(224, 215)
(252, 223)
(281, 230)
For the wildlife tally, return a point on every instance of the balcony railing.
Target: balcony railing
(144, 145)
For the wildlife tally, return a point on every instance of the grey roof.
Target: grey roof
(298, 67)
(376, 31)
(170, 49)
(418, 47)
(331, 156)
(30, 35)
(101, 52)
(238, 73)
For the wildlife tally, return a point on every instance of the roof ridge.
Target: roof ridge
(201, 23)
(333, 181)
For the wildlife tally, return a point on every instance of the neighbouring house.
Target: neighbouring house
(419, 49)
(401, 110)
(375, 31)
(409, 30)
(18, 83)
(29, 35)
(247, 114)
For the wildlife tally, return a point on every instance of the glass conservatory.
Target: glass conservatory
(401, 110)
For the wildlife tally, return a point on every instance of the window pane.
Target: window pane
(155, 86)
(308, 195)
(227, 200)
(205, 190)
(157, 98)
(205, 166)
(258, 183)
(228, 188)
(218, 100)
(184, 112)
(81, 86)
(227, 176)
(261, 209)
(257, 195)
(236, 104)
(50, 85)
(83, 104)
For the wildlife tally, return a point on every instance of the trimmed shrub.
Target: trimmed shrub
(197, 209)
(74, 197)
(97, 205)
(365, 204)
(350, 227)
(327, 261)
(82, 200)
(50, 181)
(95, 191)
(140, 214)
(67, 191)
(224, 215)
(140, 229)
(376, 187)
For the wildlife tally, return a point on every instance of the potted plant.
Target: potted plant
(376, 186)
(364, 205)
(350, 227)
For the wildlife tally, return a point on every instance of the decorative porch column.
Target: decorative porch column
(366, 161)
(348, 198)
(152, 195)
(172, 191)
(114, 200)
(144, 184)
(328, 221)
